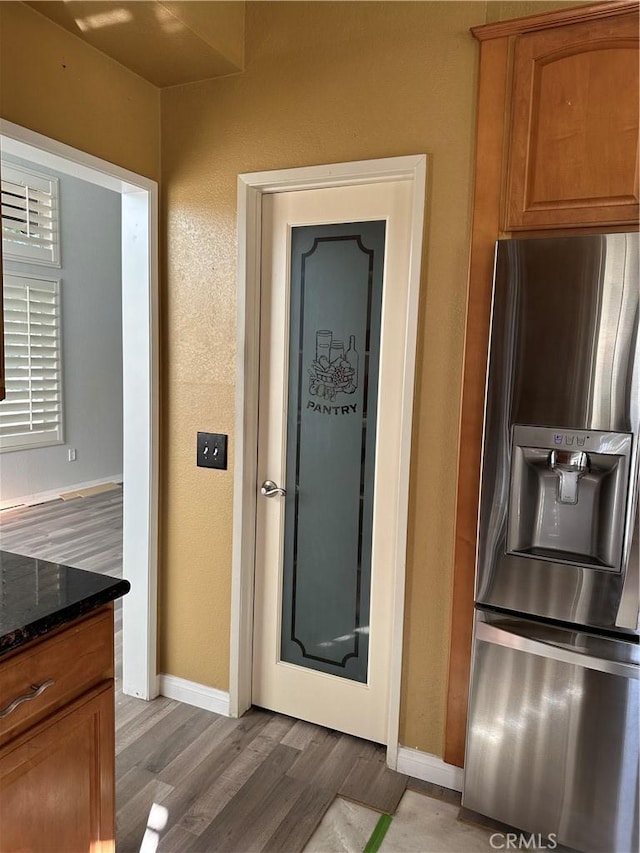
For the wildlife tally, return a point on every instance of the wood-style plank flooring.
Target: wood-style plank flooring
(260, 783)
(84, 532)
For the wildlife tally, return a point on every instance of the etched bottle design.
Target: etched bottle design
(323, 344)
(351, 356)
(336, 352)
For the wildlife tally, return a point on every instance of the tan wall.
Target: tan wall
(55, 84)
(324, 82)
(503, 10)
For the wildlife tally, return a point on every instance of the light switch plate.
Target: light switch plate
(212, 450)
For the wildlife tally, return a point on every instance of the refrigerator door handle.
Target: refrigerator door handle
(498, 636)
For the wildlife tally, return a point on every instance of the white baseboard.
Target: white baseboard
(192, 693)
(54, 494)
(429, 768)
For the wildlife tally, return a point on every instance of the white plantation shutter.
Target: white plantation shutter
(31, 414)
(30, 219)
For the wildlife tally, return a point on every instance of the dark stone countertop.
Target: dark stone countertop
(37, 596)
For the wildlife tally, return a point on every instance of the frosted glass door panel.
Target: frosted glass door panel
(334, 351)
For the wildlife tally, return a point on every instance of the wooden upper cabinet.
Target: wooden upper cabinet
(573, 153)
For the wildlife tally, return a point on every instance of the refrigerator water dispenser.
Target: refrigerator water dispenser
(568, 495)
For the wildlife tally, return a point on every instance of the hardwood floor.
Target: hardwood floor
(83, 532)
(259, 783)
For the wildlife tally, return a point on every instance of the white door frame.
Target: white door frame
(140, 386)
(251, 188)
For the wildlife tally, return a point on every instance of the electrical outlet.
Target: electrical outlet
(212, 450)
(72, 454)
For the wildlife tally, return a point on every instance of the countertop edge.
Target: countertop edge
(40, 627)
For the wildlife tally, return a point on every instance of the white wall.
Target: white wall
(91, 287)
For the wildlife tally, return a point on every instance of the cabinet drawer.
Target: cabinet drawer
(74, 660)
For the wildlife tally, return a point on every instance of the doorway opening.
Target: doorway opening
(139, 217)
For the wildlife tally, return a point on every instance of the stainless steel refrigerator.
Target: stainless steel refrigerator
(552, 737)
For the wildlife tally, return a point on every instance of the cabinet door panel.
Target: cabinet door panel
(57, 781)
(574, 141)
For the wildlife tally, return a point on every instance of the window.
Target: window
(31, 414)
(30, 227)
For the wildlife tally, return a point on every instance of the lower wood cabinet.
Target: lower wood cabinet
(57, 748)
(57, 781)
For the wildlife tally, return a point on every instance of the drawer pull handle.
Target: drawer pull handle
(35, 692)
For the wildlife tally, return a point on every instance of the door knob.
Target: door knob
(270, 489)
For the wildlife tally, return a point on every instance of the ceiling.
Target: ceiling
(167, 43)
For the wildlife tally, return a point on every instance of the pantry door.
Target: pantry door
(334, 296)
